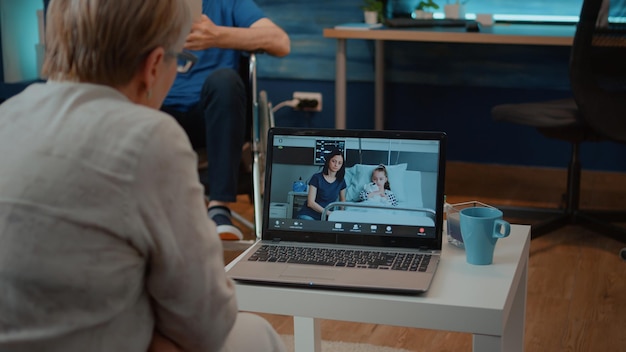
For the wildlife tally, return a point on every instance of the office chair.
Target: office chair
(596, 112)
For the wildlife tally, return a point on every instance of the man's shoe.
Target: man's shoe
(225, 228)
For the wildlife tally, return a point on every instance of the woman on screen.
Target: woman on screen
(325, 187)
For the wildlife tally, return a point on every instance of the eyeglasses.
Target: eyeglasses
(184, 61)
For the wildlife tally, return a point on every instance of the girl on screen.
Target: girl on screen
(379, 191)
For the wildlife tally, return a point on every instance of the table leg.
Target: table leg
(307, 335)
(515, 325)
(379, 82)
(340, 85)
(486, 343)
(513, 335)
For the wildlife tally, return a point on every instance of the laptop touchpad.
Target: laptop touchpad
(308, 272)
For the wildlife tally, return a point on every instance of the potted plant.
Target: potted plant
(372, 11)
(423, 7)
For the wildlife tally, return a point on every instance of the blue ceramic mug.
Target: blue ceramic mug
(480, 228)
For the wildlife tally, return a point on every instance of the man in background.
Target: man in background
(210, 100)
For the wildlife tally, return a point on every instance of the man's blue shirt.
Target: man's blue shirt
(185, 91)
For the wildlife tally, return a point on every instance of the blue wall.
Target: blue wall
(430, 86)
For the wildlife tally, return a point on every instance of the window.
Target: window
(533, 10)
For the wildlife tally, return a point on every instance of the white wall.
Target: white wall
(20, 34)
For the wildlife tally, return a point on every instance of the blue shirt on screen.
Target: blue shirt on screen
(326, 194)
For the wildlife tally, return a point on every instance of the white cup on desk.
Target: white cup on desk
(370, 17)
(485, 19)
(454, 11)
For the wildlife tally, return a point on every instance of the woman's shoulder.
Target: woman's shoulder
(316, 178)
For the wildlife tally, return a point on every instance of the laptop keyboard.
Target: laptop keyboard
(342, 258)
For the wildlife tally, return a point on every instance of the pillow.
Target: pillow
(348, 178)
(360, 174)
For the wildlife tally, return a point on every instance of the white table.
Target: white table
(505, 34)
(486, 301)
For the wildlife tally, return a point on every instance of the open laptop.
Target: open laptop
(383, 244)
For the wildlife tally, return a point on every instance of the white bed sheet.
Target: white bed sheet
(366, 213)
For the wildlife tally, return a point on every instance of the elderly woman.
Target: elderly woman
(105, 244)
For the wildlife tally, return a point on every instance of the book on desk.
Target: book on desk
(362, 26)
(404, 22)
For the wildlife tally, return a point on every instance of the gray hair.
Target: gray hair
(106, 41)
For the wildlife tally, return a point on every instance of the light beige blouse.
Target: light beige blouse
(103, 230)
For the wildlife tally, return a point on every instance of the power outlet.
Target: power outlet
(309, 101)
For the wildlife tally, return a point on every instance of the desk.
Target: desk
(510, 34)
(486, 301)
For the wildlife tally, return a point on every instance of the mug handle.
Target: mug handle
(498, 225)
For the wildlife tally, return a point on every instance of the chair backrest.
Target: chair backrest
(598, 73)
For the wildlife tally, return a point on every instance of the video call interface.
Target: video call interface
(407, 207)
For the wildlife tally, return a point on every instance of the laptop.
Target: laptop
(387, 243)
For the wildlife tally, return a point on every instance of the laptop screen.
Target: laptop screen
(378, 188)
